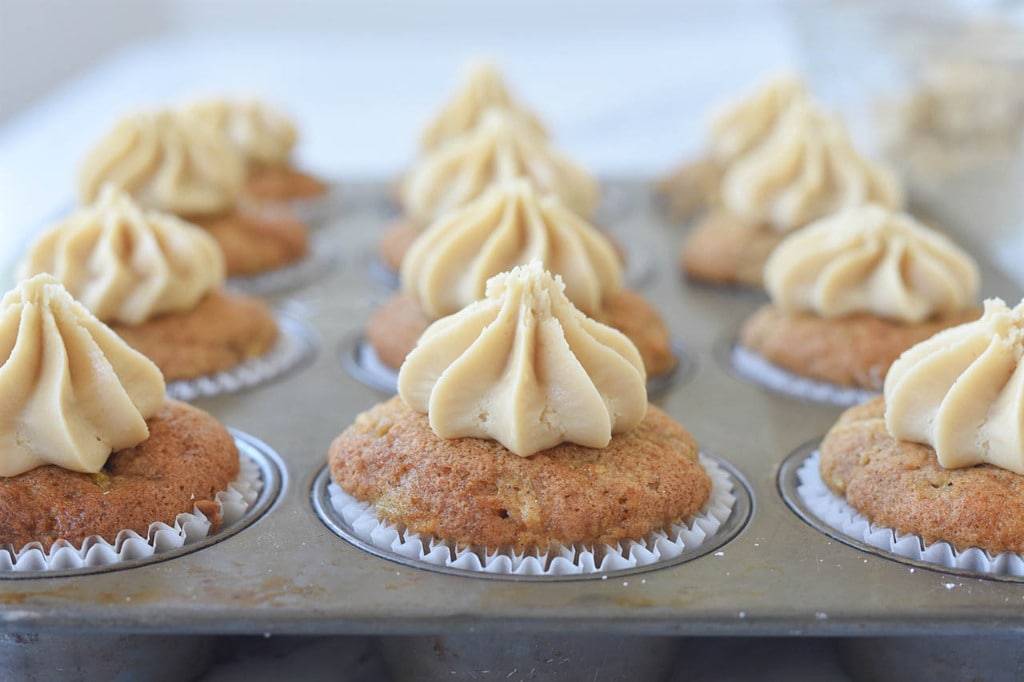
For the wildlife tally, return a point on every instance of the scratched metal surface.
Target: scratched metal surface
(287, 573)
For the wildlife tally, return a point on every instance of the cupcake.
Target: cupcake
(734, 131)
(851, 292)
(501, 147)
(448, 266)
(91, 446)
(805, 169)
(941, 455)
(482, 88)
(177, 163)
(266, 139)
(158, 282)
(522, 425)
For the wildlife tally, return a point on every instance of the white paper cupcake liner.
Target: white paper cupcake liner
(318, 212)
(661, 546)
(836, 513)
(313, 266)
(756, 368)
(292, 347)
(188, 529)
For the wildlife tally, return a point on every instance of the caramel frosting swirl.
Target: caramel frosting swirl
(502, 147)
(524, 367)
(482, 87)
(805, 169)
(264, 135)
(167, 160)
(739, 127)
(871, 259)
(448, 266)
(126, 265)
(73, 390)
(962, 391)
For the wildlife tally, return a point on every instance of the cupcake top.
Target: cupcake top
(482, 87)
(265, 136)
(448, 266)
(501, 147)
(739, 127)
(125, 264)
(962, 391)
(524, 367)
(805, 169)
(871, 259)
(167, 160)
(73, 390)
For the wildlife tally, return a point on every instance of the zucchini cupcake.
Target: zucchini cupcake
(522, 426)
(853, 291)
(501, 147)
(176, 162)
(158, 282)
(805, 169)
(92, 449)
(941, 456)
(448, 266)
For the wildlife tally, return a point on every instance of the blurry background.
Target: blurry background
(626, 86)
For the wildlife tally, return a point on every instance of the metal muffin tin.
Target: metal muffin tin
(288, 573)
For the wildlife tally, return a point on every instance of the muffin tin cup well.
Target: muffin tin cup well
(360, 360)
(258, 485)
(313, 266)
(752, 367)
(721, 519)
(803, 490)
(294, 346)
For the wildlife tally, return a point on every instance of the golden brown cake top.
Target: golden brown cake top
(128, 265)
(73, 390)
(524, 367)
(263, 134)
(740, 126)
(871, 259)
(962, 391)
(501, 147)
(805, 169)
(482, 87)
(167, 160)
(448, 266)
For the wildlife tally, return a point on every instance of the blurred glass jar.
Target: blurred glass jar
(936, 88)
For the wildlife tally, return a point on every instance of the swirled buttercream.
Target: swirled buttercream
(73, 390)
(167, 160)
(501, 147)
(962, 391)
(448, 266)
(126, 265)
(482, 87)
(805, 169)
(739, 127)
(871, 259)
(524, 367)
(263, 134)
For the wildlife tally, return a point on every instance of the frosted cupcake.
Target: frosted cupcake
(527, 426)
(501, 147)
(805, 169)
(178, 163)
(266, 138)
(733, 131)
(941, 456)
(158, 282)
(851, 292)
(91, 448)
(448, 266)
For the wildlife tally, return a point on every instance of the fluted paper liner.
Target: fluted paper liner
(290, 349)
(835, 512)
(760, 370)
(188, 528)
(657, 547)
(306, 270)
